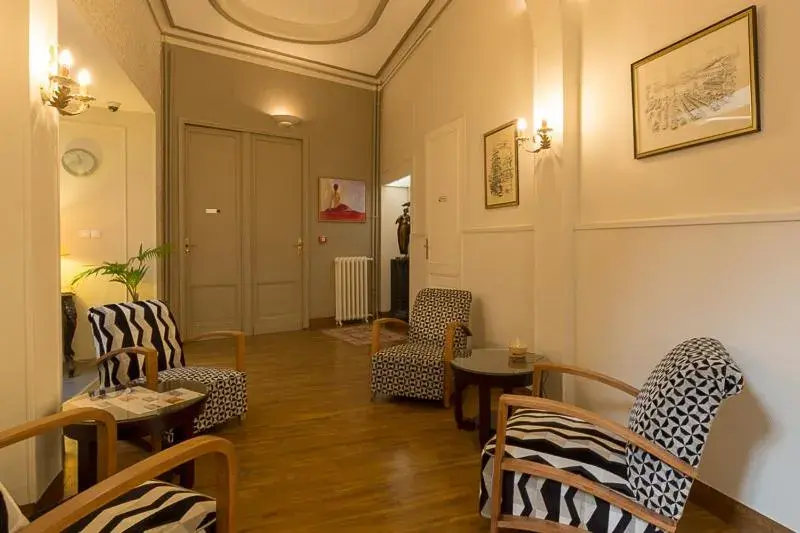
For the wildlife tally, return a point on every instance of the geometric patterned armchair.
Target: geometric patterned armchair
(568, 465)
(149, 324)
(437, 332)
(130, 500)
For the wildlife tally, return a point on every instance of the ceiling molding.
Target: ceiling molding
(376, 16)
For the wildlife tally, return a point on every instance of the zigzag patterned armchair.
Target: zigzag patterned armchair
(437, 331)
(567, 469)
(149, 324)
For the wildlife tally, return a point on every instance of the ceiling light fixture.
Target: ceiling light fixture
(70, 96)
(286, 121)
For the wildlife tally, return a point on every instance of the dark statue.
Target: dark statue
(404, 229)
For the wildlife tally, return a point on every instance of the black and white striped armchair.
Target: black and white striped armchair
(149, 324)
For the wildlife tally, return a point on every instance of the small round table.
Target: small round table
(139, 413)
(488, 368)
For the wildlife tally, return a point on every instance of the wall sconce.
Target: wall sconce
(541, 140)
(286, 121)
(70, 96)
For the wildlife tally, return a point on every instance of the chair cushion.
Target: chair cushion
(11, 517)
(574, 446)
(433, 310)
(155, 507)
(227, 393)
(675, 409)
(413, 370)
(147, 324)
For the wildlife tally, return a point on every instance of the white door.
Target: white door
(277, 230)
(212, 228)
(444, 167)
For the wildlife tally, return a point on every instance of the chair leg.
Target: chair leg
(242, 418)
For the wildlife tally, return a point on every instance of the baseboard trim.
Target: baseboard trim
(322, 323)
(51, 497)
(733, 513)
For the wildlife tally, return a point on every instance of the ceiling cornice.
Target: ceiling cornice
(189, 38)
(376, 16)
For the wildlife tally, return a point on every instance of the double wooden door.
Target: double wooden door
(241, 232)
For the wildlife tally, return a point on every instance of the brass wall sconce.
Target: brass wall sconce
(69, 96)
(541, 140)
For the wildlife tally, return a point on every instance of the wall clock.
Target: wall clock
(79, 162)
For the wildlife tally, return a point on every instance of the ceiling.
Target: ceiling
(109, 81)
(351, 39)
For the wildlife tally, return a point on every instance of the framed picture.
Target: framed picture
(342, 200)
(500, 166)
(703, 88)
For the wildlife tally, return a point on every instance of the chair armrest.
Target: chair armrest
(106, 433)
(150, 362)
(542, 404)
(450, 338)
(239, 363)
(104, 492)
(539, 368)
(376, 331)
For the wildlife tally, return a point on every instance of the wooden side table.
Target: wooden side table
(488, 369)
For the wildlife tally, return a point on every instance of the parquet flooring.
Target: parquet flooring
(316, 456)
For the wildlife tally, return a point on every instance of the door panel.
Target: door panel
(444, 156)
(211, 247)
(277, 269)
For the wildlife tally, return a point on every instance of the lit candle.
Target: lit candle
(522, 124)
(65, 61)
(84, 79)
(544, 124)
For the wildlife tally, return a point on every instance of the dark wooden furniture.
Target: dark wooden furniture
(399, 275)
(69, 322)
(489, 369)
(134, 427)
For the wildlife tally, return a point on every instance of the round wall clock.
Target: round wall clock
(79, 162)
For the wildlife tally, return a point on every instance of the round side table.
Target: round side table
(487, 369)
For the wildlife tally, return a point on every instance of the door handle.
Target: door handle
(299, 246)
(427, 248)
(187, 246)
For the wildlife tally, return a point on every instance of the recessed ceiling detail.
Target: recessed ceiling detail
(303, 21)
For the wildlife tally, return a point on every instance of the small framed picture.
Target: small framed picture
(501, 166)
(342, 200)
(701, 89)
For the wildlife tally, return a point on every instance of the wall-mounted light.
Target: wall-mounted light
(541, 140)
(286, 121)
(67, 94)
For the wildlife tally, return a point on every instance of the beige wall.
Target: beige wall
(716, 263)
(30, 318)
(119, 200)
(337, 132)
(631, 257)
(476, 64)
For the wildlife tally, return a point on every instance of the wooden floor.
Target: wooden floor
(317, 456)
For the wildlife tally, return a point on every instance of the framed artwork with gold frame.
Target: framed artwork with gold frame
(501, 166)
(701, 89)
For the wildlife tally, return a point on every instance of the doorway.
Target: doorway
(241, 231)
(394, 265)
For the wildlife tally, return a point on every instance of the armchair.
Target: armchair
(129, 500)
(150, 325)
(437, 332)
(563, 468)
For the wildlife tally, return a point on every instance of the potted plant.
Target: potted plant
(130, 273)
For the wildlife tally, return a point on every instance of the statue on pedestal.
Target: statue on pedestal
(404, 229)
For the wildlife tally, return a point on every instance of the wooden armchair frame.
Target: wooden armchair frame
(503, 464)
(104, 492)
(448, 353)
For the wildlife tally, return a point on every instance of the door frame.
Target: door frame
(175, 208)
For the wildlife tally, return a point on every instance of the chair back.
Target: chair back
(675, 409)
(146, 324)
(433, 310)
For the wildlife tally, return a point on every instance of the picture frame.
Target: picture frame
(700, 89)
(501, 166)
(341, 200)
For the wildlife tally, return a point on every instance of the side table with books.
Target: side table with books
(139, 413)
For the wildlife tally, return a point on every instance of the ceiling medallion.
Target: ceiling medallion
(255, 21)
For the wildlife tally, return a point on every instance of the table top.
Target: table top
(136, 404)
(496, 362)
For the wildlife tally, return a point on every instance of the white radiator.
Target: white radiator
(352, 288)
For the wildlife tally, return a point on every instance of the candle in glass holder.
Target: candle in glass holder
(65, 62)
(84, 79)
